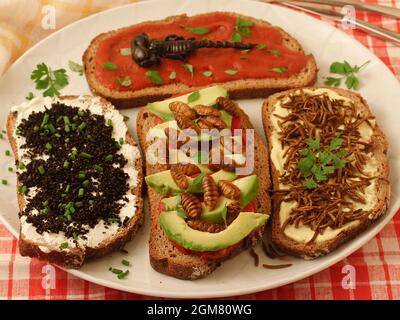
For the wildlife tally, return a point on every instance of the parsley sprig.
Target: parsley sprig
(241, 29)
(317, 163)
(347, 71)
(49, 80)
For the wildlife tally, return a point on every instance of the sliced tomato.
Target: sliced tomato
(157, 120)
(180, 248)
(217, 255)
(251, 207)
(235, 123)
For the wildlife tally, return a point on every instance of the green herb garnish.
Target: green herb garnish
(10, 169)
(109, 157)
(123, 274)
(207, 73)
(30, 96)
(125, 262)
(125, 81)
(75, 67)
(85, 155)
(316, 162)
(347, 71)
(188, 67)
(41, 170)
(241, 29)
(172, 75)
(8, 153)
(125, 51)
(22, 189)
(64, 245)
(231, 72)
(49, 80)
(109, 66)
(194, 96)
(261, 46)
(279, 69)
(154, 77)
(276, 52)
(196, 30)
(4, 182)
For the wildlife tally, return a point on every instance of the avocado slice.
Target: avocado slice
(248, 190)
(177, 230)
(163, 183)
(208, 97)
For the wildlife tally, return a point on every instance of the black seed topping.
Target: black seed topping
(82, 181)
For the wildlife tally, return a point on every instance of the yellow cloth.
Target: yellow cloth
(24, 22)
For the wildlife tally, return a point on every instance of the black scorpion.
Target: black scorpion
(148, 52)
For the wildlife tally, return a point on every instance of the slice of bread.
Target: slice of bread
(164, 256)
(238, 89)
(75, 256)
(291, 242)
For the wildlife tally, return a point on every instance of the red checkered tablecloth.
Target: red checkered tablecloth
(377, 264)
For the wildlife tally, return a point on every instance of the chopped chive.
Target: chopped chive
(85, 155)
(51, 128)
(109, 123)
(91, 202)
(17, 132)
(82, 126)
(109, 157)
(113, 220)
(73, 127)
(64, 245)
(116, 271)
(41, 170)
(67, 188)
(4, 182)
(75, 118)
(8, 153)
(45, 120)
(1, 136)
(44, 211)
(98, 168)
(85, 183)
(78, 204)
(66, 140)
(66, 120)
(81, 192)
(73, 154)
(121, 141)
(10, 169)
(21, 166)
(123, 274)
(22, 189)
(45, 203)
(59, 119)
(81, 175)
(48, 146)
(125, 262)
(74, 235)
(81, 113)
(66, 164)
(72, 210)
(3, 131)
(57, 135)
(36, 128)
(126, 118)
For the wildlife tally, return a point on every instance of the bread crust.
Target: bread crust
(315, 250)
(76, 257)
(238, 89)
(164, 257)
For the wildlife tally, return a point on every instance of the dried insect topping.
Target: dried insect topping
(182, 108)
(210, 190)
(179, 176)
(324, 161)
(202, 110)
(229, 190)
(191, 204)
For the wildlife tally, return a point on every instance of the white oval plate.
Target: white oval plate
(238, 275)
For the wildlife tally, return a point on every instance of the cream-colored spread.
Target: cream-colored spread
(304, 233)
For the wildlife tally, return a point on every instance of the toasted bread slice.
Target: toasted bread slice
(74, 257)
(164, 256)
(238, 89)
(293, 242)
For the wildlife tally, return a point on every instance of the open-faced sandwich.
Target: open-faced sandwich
(208, 181)
(79, 178)
(154, 60)
(329, 168)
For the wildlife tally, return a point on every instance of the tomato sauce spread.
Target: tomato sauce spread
(270, 59)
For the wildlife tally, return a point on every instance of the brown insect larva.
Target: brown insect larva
(228, 189)
(191, 204)
(228, 105)
(204, 124)
(179, 107)
(233, 210)
(185, 123)
(210, 190)
(205, 226)
(216, 122)
(214, 164)
(179, 177)
(188, 169)
(202, 110)
(173, 138)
